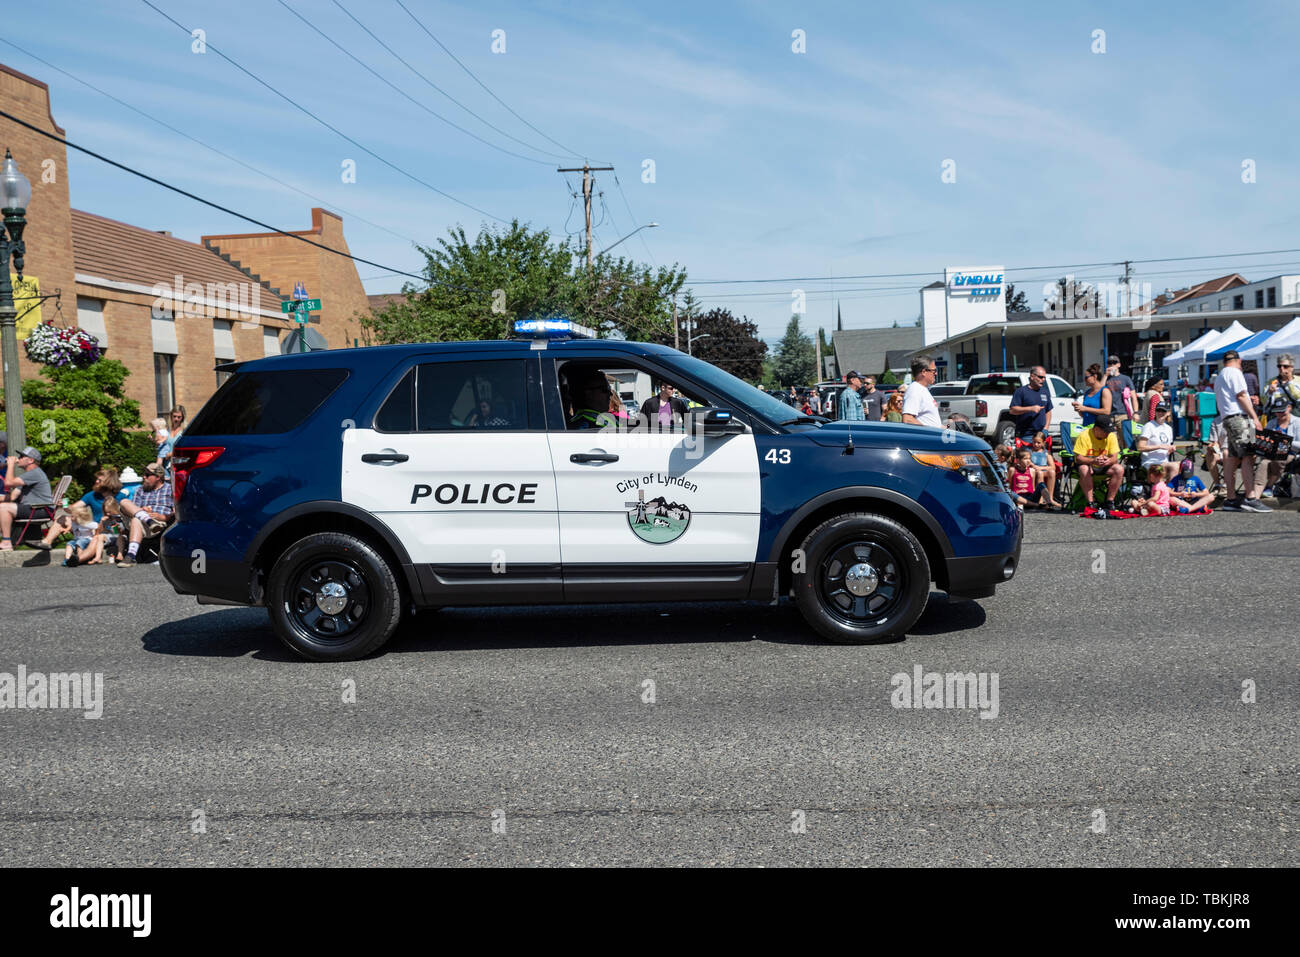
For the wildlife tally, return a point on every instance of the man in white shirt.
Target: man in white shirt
(1237, 413)
(1156, 443)
(919, 407)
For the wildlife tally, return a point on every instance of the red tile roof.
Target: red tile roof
(120, 252)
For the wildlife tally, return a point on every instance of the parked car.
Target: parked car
(957, 387)
(987, 399)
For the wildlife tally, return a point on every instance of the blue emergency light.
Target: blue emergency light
(552, 329)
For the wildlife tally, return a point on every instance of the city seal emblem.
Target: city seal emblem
(657, 520)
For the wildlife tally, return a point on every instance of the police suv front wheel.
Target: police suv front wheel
(332, 597)
(861, 577)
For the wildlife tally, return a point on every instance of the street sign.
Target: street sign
(300, 305)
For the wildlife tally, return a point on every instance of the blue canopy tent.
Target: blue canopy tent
(1241, 345)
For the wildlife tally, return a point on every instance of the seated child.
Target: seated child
(1003, 456)
(1187, 492)
(111, 527)
(83, 530)
(1044, 464)
(1025, 487)
(1158, 502)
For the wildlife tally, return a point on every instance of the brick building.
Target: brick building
(169, 309)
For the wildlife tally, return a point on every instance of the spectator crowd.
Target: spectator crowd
(107, 525)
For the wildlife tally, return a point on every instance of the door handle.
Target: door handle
(584, 457)
(384, 457)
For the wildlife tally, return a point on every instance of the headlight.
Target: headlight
(975, 467)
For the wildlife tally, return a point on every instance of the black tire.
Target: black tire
(902, 570)
(1005, 434)
(361, 585)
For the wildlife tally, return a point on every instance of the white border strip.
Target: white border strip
(197, 300)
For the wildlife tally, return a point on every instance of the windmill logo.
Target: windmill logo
(657, 521)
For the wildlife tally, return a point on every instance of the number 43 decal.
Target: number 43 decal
(779, 456)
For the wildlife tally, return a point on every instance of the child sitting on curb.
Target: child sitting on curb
(84, 539)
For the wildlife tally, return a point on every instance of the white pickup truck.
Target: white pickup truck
(988, 396)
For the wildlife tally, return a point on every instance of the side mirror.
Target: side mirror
(716, 422)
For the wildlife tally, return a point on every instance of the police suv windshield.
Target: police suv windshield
(773, 410)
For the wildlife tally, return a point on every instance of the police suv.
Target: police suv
(343, 489)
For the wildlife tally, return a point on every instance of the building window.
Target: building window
(222, 377)
(164, 382)
(1239, 302)
(90, 316)
(1272, 296)
(1259, 298)
(1079, 343)
(1223, 304)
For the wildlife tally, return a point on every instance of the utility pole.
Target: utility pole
(1128, 289)
(586, 172)
(677, 341)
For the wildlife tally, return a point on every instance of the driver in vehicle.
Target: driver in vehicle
(592, 399)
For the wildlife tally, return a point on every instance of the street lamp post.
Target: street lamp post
(628, 236)
(15, 193)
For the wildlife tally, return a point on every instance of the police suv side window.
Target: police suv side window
(483, 395)
(397, 414)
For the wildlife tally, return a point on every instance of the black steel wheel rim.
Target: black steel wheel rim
(328, 600)
(834, 582)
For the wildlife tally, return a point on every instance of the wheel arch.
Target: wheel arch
(325, 516)
(865, 498)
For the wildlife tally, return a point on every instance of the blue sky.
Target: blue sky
(769, 163)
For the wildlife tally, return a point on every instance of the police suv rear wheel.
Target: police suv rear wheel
(863, 577)
(332, 597)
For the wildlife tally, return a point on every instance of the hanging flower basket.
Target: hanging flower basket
(49, 345)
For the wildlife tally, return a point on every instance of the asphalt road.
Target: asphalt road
(1120, 692)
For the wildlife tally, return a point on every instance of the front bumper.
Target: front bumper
(978, 576)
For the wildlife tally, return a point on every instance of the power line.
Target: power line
(1006, 269)
(419, 24)
(225, 209)
(207, 146)
(435, 86)
(400, 92)
(332, 129)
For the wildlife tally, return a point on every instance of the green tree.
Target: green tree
(795, 361)
(1016, 299)
(730, 343)
(71, 441)
(476, 289)
(80, 418)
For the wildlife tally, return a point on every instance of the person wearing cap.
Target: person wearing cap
(1096, 452)
(148, 511)
(850, 404)
(1187, 492)
(1240, 422)
(1123, 392)
(1156, 443)
(27, 487)
(1284, 420)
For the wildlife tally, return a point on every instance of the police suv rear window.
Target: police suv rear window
(450, 396)
(266, 403)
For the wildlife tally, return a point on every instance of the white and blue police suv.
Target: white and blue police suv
(342, 489)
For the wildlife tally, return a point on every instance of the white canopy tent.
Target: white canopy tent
(1175, 358)
(1286, 339)
(1197, 352)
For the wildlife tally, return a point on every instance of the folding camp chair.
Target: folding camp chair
(41, 515)
(1067, 484)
